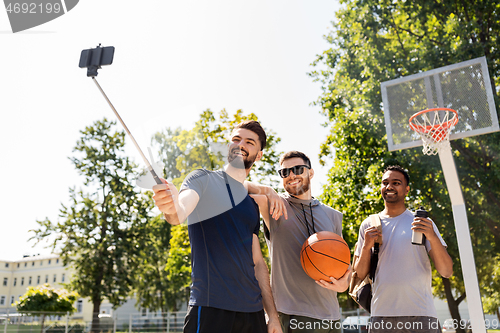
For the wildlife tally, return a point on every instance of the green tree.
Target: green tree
(42, 300)
(182, 151)
(150, 279)
(375, 41)
(178, 267)
(95, 233)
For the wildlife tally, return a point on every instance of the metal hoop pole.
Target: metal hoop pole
(458, 206)
(150, 168)
(464, 241)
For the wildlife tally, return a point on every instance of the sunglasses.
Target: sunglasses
(297, 170)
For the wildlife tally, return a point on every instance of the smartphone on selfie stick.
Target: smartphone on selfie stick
(93, 59)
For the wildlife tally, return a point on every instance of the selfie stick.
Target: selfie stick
(150, 168)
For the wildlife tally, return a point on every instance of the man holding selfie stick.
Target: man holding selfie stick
(230, 279)
(402, 296)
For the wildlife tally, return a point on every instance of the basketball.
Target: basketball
(325, 254)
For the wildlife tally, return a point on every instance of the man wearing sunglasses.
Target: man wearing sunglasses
(304, 305)
(230, 280)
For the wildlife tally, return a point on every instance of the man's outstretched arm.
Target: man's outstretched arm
(174, 206)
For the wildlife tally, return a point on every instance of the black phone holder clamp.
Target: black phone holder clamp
(93, 59)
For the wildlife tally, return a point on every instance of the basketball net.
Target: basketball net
(434, 127)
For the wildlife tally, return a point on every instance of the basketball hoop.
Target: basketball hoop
(434, 127)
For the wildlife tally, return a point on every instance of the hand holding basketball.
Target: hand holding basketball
(338, 285)
(325, 254)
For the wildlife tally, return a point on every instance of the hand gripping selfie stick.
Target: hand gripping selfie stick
(93, 59)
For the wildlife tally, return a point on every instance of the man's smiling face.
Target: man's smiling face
(394, 187)
(296, 184)
(244, 148)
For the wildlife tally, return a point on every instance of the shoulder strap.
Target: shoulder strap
(375, 222)
(228, 188)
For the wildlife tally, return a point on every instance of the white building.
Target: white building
(17, 276)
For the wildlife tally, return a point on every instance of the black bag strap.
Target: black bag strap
(375, 218)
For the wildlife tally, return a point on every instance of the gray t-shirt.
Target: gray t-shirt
(403, 278)
(213, 193)
(294, 292)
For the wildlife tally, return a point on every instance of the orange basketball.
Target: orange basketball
(325, 254)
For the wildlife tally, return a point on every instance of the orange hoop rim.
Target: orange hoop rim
(437, 127)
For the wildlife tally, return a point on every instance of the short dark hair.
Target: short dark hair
(399, 169)
(295, 153)
(255, 127)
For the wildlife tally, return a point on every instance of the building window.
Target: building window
(144, 312)
(46, 279)
(11, 300)
(5, 281)
(29, 281)
(6, 265)
(41, 262)
(17, 265)
(55, 277)
(62, 278)
(33, 263)
(57, 261)
(38, 279)
(79, 306)
(22, 281)
(15, 281)
(2, 300)
(49, 261)
(25, 264)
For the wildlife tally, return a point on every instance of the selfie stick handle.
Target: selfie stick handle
(150, 168)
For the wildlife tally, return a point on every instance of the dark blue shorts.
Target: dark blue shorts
(203, 319)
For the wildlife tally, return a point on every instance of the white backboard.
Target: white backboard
(464, 87)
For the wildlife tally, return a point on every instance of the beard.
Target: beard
(293, 190)
(239, 161)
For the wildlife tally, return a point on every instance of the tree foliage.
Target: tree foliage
(96, 231)
(42, 300)
(375, 41)
(179, 274)
(150, 279)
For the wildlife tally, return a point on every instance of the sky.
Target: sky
(173, 59)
